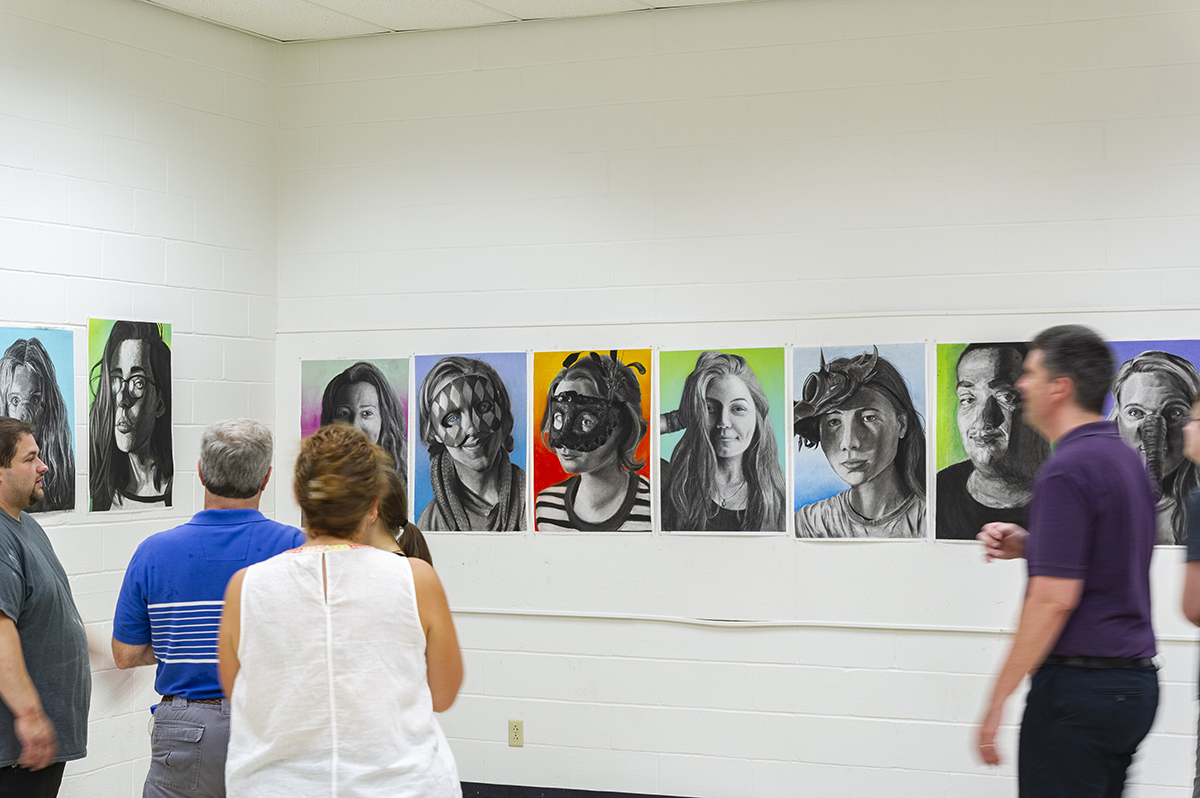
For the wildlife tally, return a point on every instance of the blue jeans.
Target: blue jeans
(187, 750)
(1081, 728)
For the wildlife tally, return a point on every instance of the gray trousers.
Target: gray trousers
(187, 750)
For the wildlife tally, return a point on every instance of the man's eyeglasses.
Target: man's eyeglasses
(1189, 420)
(135, 385)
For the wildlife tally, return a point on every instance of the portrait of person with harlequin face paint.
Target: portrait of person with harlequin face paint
(594, 423)
(1152, 396)
(466, 419)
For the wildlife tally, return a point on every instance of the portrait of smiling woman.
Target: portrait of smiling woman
(130, 460)
(724, 473)
(362, 397)
(860, 412)
(466, 419)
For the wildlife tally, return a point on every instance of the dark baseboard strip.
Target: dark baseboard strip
(477, 790)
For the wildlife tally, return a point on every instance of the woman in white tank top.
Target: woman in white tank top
(336, 655)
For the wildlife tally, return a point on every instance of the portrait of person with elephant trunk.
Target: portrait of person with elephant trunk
(1152, 399)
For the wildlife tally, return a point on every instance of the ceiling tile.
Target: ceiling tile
(401, 15)
(285, 20)
(557, 9)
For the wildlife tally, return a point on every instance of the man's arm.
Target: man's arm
(39, 740)
(129, 656)
(1049, 602)
(1191, 592)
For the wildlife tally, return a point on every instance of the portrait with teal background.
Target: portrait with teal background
(37, 384)
(722, 440)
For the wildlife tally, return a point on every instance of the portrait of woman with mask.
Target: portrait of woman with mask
(362, 396)
(859, 410)
(466, 421)
(30, 390)
(724, 474)
(130, 459)
(1152, 398)
(594, 423)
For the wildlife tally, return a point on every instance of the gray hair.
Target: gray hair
(235, 456)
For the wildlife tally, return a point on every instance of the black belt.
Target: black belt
(168, 698)
(1100, 662)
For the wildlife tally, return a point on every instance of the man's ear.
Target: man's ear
(200, 473)
(1062, 389)
(266, 479)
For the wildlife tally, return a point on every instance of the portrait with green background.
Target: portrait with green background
(949, 445)
(767, 363)
(98, 332)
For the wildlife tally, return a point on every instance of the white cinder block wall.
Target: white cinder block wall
(799, 171)
(807, 172)
(138, 180)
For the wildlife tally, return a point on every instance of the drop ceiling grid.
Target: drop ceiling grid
(320, 20)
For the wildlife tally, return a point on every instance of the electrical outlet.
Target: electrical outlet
(516, 733)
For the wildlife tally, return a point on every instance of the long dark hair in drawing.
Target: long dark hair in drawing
(29, 391)
(1152, 400)
(466, 422)
(860, 412)
(131, 418)
(362, 396)
(691, 484)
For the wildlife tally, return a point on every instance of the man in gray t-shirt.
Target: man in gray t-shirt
(45, 678)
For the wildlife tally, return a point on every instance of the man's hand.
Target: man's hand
(987, 736)
(1002, 541)
(39, 741)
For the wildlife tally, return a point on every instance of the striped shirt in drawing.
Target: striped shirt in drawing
(555, 509)
(174, 591)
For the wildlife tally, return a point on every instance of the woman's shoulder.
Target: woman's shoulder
(818, 519)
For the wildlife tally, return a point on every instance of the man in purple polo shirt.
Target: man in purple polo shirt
(1085, 625)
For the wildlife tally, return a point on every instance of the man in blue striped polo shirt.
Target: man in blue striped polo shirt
(169, 608)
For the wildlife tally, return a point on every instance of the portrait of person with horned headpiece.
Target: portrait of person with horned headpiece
(859, 408)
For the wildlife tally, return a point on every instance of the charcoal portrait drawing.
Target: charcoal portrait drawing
(725, 472)
(129, 426)
(465, 413)
(593, 425)
(33, 389)
(860, 411)
(977, 388)
(1152, 395)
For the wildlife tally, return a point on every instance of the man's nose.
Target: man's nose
(992, 416)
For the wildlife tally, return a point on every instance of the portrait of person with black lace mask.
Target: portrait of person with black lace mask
(593, 431)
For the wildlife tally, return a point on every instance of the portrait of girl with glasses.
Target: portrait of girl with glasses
(130, 461)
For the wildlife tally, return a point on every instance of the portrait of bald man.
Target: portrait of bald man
(1004, 454)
